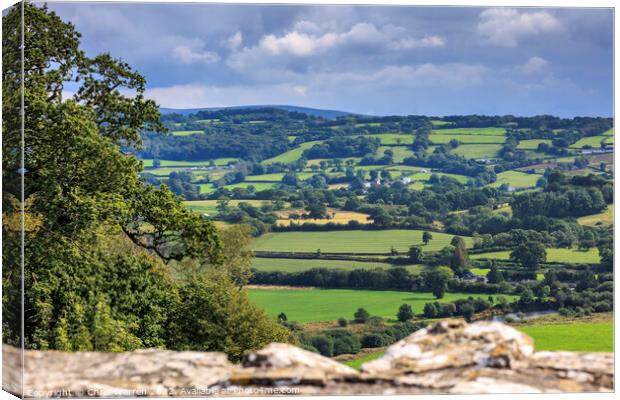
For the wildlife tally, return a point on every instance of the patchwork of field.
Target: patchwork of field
(258, 186)
(532, 144)
(594, 141)
(477, 150)
(291, 155)
(573, 256)
(400, 152)
(516, 179)
(310, 304)
(355, 241)
(493, 131)
(575, 336)
(604, 218)
(276, 177)
(467, 139)
(297, 265)
(335, 216)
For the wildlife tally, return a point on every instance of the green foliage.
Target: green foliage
(405, 313)
(437, 279)
(530, 255)
(361, 315)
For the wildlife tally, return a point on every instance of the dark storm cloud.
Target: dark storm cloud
(371, 59)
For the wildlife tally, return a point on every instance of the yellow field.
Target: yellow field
(605, 218)
(336, 216)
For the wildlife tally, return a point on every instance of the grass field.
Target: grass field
(210, 206)
(148, 162)
(276, 177)
(609, 132)
(594, 141)
(576, 336)
(484, 139)
(425, 176)
(186, 133)
(394, 138)
(515, 179)
(605, 218)
(470, 131)
(572, 256)
(291, 155)
(477, 150)
(356, 363)
(296, 265)
(437, 122)
(400, 152)
(532, 144)
(258, 186)
(359, 241)
(308, 305)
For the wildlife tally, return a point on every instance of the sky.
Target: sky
(375, 60)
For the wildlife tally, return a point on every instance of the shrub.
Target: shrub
(342, 321)
(361, 315)
(323, 344)
(373, 340)
(405, 313)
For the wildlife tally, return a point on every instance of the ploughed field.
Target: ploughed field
(310, 304)
(355, 241)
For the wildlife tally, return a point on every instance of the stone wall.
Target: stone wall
(448, 357)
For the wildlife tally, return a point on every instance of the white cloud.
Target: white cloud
(189, 55)
(178, 96)
(505, 27)
(533, 65)
(301, 89)
(415, 43)
(307, 40)
(235, 41)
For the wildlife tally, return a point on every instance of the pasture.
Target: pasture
(516, 179)
(312, 305)
(467, 139)
(604, 218)
(493, 131)
(356, 362)
(275, 177)
(291, 155)
(477, 150)
(574, 336)
(594, 141)
(210, 206)
(532, 144)
(186, 133)
(297, 265)
(355, 241)
(573, 256)
(394, 138)
(220, 162)
(437, 122)
(400, 152)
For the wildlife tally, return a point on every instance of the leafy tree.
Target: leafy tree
(430, 311)
(342, 322)
(282, 317)
(495, 275)
(530, 255)
(361, 315)
(415, 254)
(405, 313)
(459, 259)
(437, 280)
(426, 237)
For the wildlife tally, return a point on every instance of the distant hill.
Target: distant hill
(306, 110)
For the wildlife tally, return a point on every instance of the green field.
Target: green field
(210, 206)
(573, 256)
(605, 218)
(576, 336)
(483, 139)
(609, 132)
(437, 122)
(291, 155)
(359, 241)
(470, 131)
(186, 133)
(148, 162)
(425, 176)
(515, 179)
(532, 144)
(394, 138)
(356, 363)
(400, 152)
(477, 150)
(307, 305)
(276, 177)
(296, 265)
(594, 141)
